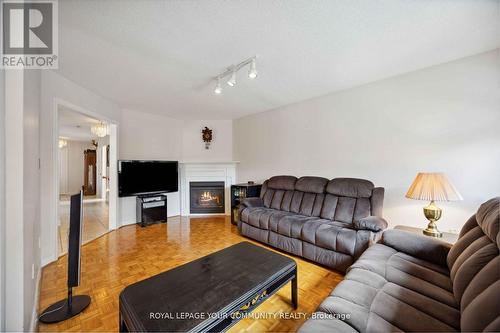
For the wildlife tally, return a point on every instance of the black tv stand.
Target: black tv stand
(151, 208)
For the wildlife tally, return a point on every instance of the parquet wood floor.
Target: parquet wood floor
(132, 253)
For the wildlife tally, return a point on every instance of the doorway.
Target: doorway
(83, 162)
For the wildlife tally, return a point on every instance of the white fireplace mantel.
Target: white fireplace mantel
(206, 171)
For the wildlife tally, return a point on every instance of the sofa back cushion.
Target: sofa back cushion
(475, 269)
(309, 195)
(274, 189)
(347, 200)
(341, 199)
(301, 196)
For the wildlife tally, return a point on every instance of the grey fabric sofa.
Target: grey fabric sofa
(330, 222)
(414, 283)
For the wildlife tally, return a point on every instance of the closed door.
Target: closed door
(90, 160)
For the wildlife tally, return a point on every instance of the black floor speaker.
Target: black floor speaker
(64, 309)
(72, 305)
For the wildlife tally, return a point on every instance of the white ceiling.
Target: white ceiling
(159, 56)
(74, 125)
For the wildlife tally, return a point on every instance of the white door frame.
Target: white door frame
(104, 172)
(113, 165)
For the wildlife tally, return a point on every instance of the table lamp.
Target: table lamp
(432, 186)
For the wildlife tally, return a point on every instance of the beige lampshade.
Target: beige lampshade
(433, 186)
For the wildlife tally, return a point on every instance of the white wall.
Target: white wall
(14, 257)
(31, 193)
(149, 137)
(193, 147)
(443, 118)
(2, 200)
(57, 88)
(72, 164)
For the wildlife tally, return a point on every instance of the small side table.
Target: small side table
(447, 236)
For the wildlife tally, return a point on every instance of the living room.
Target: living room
(269, 166)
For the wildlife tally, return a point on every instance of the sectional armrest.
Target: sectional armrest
(372, 223)
(251, 202)
(419, 246)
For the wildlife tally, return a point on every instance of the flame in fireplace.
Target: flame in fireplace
(207, 197)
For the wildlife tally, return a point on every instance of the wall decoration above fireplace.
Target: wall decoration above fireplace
(206, 197)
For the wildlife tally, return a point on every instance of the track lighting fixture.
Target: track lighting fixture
(232, 80)
(218, 88)
(231, 73)
(252, 73)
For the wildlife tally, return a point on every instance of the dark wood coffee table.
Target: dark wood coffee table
(208, 294)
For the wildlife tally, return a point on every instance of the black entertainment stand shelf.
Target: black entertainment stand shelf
(240, 192)
(151, 208)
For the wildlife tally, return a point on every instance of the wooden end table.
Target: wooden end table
(447, 236)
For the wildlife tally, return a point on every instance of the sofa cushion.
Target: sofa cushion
(420, 246)
(330, 258)
(386, 287)
(287, 201)
(488, 219)
(255, 233)
(329, 235)
(329, 206)
(412, 273)
(275, 188)
(282, 183)
(311, 204)
(350, 187)
(289, 225)
(345, 209)
(373, 223)
(475, 269)
(261, 217)
(296, 202)
(311, 184)
(268, 197)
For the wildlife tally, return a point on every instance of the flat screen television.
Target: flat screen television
(147, 177)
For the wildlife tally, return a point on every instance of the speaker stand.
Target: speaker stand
(65, 309)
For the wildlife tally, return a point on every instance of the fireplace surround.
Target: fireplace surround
(207, 197)
(216, 171)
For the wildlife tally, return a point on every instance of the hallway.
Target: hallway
(95, 222)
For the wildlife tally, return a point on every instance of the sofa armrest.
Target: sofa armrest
(372, 223)
(251, 202)
(419, 246)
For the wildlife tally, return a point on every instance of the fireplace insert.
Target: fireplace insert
(206, 197)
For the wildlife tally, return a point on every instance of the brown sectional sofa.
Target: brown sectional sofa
(414, 283)
(330, 222)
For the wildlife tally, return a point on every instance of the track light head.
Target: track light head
(232, 80)
(218, 88)
(252, 73)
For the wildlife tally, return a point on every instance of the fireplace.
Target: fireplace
(206, 197)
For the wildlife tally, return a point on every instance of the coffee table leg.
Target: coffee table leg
(294, 291)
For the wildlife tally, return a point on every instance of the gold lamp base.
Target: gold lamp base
(432, 213)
